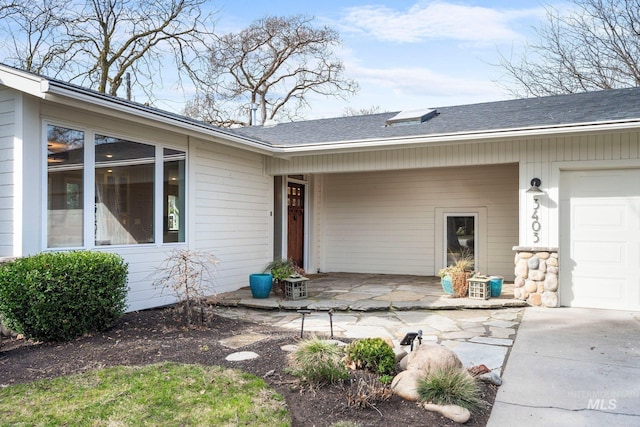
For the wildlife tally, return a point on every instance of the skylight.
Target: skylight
(411, 117)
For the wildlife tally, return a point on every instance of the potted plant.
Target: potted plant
(454, 277)
(280, 269)
(260, 284)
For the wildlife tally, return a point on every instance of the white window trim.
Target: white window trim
(89, 188)
(480, 245)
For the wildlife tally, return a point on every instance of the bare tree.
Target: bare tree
(270, 68)
(97, 42)
(593, 45)
(350, 111)
(34, 36)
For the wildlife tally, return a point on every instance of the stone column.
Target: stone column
(536, 271)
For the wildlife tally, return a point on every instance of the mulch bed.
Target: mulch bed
(152, 336)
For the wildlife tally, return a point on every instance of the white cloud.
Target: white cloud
(421, 82)
(437, 20)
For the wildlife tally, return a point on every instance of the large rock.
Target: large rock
(405, 385)
(400, 353)
(453, 412)
(429, 357)
(424, 359)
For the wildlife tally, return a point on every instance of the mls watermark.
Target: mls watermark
(604, 400)
(602, 404)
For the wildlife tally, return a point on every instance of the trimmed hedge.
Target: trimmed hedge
(58, 296)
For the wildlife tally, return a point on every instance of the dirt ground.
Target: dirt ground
(152, 336)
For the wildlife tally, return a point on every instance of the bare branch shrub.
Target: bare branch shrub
(189, 276)
(367, 392)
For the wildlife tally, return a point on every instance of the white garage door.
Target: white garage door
(600, 239)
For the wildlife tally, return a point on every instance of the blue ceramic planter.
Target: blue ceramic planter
(260, 285)
(447, 285)
(496, 285)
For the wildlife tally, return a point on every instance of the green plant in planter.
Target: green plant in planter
(280, 269)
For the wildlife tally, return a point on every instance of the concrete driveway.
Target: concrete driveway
(572, 367)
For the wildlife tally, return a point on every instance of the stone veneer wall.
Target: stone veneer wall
(536, 271)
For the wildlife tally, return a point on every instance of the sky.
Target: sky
(405, 54)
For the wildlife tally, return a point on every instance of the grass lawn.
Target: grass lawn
(166, 394)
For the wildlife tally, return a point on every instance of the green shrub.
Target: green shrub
(450, 387)
(373, 354)
(58, 296)
(318, 362)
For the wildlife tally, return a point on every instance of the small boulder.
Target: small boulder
(491, 377)
(405, 385)
(453, 412)
(429, 357)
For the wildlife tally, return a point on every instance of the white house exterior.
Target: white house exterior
(368, 194)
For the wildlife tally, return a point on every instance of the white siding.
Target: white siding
(229, 206)
(232, 211)
(384, 222)
(7, 134)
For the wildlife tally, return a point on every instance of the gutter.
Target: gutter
(110, 102)
(282, 150)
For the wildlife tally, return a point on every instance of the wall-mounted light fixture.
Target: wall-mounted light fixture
(535, 223)
(535, 187)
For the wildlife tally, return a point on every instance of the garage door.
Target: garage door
(600, 239)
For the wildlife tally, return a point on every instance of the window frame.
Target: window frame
(89, 170)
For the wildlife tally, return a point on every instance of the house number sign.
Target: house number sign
(535, 224)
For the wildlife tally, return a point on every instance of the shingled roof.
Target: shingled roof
(529, 113)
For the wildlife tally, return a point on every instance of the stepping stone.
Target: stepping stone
(289, 348)
(241, 355)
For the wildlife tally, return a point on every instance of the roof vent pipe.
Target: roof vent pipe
(254, 113)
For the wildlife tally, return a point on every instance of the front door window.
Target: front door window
(295, 235)
(460, 237)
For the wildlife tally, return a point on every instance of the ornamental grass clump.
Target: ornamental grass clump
(318, 362)
(450, 387)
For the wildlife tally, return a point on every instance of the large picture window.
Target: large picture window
(124, 182)
(132, 185)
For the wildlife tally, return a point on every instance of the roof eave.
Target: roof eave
(116, 104)
(450, 138)
(24, 82)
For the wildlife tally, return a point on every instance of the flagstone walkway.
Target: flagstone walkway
(389, 306)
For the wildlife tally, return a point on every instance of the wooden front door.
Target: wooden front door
(295, 235)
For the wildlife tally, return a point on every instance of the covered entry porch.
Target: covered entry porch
(405, 221)
(368, 292)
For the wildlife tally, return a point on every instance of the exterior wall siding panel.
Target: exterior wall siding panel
(384, 222)
(7, 132)
(232, 205)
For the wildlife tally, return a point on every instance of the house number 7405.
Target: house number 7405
(535, 224)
